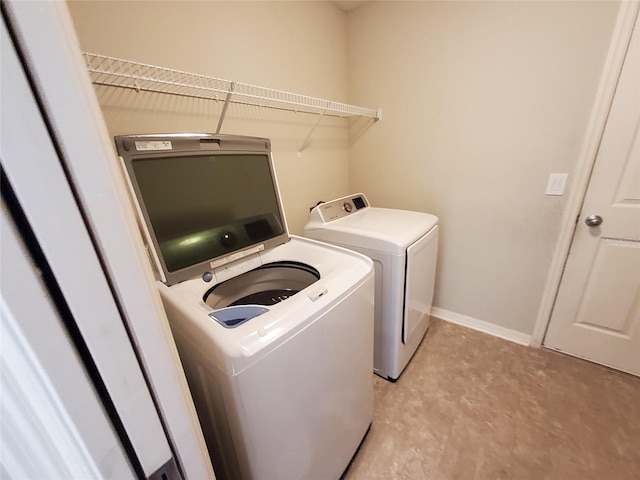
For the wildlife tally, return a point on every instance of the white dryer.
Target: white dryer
(275, 333)
(403, 246)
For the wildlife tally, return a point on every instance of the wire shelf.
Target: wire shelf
(121, 73)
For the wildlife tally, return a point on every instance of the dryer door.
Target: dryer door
(420, 279)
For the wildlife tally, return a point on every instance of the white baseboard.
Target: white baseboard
(482, 326)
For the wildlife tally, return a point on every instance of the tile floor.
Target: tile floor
(471, 406)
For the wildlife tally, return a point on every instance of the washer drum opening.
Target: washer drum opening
(266, 285)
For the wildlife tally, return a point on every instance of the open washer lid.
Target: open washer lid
(204, 200)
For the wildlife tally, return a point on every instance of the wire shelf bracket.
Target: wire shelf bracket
(116, 72)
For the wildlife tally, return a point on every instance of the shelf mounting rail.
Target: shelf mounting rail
(116, 72)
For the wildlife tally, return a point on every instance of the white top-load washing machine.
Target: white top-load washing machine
(275, 333)
(403, 245)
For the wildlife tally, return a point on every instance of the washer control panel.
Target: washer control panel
(342, 207)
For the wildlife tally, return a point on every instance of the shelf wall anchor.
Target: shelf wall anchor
(232, 87)
(305, 142)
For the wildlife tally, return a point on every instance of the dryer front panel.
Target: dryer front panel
(420, 279)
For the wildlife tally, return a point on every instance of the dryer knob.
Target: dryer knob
(347, 207)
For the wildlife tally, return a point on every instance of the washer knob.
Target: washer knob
(347, 207)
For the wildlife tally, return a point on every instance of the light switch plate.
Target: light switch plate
(556, 184)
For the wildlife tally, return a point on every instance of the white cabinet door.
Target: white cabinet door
(597, 311)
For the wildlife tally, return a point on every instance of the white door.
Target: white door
(597, 311)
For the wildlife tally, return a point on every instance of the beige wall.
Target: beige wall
(298, 47)
(481, 101)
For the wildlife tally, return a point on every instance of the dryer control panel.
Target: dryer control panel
(341, 207)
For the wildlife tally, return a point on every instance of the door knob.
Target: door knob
(593, 220)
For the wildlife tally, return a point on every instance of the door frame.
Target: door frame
(600, 112)
(88, 174)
